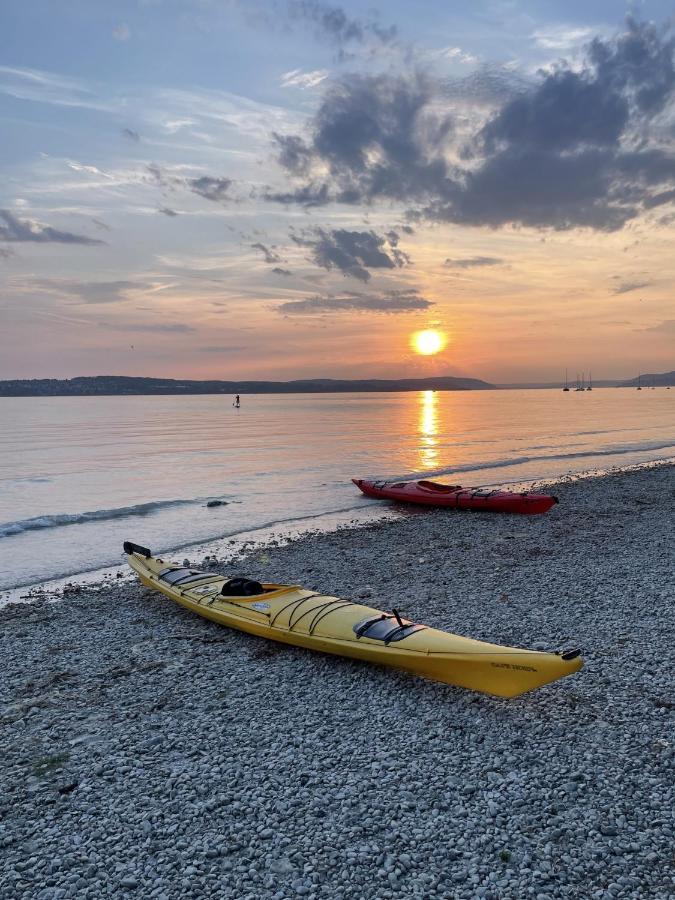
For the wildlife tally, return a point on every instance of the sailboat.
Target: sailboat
(566, 388)
(580, 385)
(590, 383)
(639, 387)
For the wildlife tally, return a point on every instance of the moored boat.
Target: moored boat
(432, 493)
(295, 615)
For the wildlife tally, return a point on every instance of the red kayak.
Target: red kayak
(453, 496)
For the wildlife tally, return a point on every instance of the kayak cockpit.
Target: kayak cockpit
(439, 488)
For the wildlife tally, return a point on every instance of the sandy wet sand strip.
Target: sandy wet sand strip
(148, 751)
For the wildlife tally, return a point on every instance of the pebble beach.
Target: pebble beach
(149, 753)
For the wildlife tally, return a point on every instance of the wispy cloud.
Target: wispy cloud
(455, 54)
(271, 256)
(402, 301)
(154, 328)
(31, 231)
(93, 292)
(666, 327)
(471, 262)
(214, 188)
(49, 87)
(300, 79)
(562, 37)
(625, 287)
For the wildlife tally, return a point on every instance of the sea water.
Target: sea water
(79, 475)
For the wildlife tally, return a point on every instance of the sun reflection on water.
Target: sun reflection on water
(428, 429)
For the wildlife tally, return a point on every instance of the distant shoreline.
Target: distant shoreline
(113, 385)
(121, 385)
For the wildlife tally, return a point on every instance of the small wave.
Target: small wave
(621, 450)
(7, 529)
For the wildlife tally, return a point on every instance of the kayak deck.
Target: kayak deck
(295, 615)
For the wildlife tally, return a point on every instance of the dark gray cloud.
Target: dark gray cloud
(379, 136)
(578, 148)
(167, 211)
(392, 302)
(210, 188)
(29, 231)
(131, 135)
(277, 270)
(625, 287)
(471, 262)
(270, 255)
(352, 252)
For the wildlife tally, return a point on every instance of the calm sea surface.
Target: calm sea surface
(78, 475)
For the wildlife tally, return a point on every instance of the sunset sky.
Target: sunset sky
(278, 190)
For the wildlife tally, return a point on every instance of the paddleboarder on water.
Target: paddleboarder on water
(236, 403)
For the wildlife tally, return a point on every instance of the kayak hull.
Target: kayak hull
(430, 493)
(294, 615)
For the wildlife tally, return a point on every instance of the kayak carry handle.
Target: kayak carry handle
(568, 655)
(130, 547)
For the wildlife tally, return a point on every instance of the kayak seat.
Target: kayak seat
(440, 488)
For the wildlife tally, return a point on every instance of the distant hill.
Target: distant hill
(665, 379)
(106, 385)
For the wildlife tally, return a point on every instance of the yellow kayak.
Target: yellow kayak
(295, 615)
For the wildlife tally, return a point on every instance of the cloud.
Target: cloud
(577, 148)
(159, 327)
(304, 80)
(392, 302)
(456, 54)
(93, 292)
(352, 252)
(333, 24)
(666, 327)
(131, 134)
(31, 231)
(377, 136)
(471, 262)
(561, 37)
(277, 270)
(270, 255)
(626, 286)
(167, 211)
(210, 188)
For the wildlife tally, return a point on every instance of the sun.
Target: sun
(428, 342)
